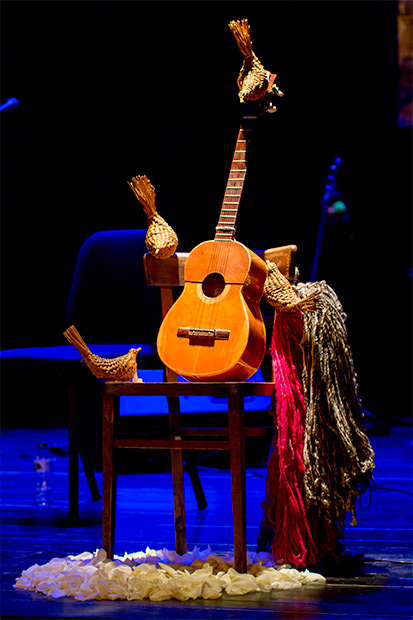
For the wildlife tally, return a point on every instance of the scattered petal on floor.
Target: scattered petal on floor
(159, 576)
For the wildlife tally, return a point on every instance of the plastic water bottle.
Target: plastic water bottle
(43, 472)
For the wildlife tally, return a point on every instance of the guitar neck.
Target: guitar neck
(225, 229)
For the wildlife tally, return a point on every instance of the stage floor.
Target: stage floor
(377, 582)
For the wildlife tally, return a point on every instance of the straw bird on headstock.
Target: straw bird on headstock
(254, 82)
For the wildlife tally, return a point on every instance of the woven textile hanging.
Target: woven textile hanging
(322, 460)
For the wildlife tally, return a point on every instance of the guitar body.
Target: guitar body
(215, 331)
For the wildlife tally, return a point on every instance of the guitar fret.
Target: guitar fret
(226, 224)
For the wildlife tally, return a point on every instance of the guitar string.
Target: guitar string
(217, 263)
(237, 176)
(222, 251)
(208, 313)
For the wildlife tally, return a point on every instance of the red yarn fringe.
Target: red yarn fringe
(283, 507)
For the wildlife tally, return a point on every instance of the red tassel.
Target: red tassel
(284, 508)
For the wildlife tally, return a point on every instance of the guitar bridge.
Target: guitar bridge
(203, 336)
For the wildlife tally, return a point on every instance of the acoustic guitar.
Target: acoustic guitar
(215, 331)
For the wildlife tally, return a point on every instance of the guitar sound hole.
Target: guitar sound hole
(213, 285)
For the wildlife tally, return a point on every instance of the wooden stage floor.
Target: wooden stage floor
(379, 585)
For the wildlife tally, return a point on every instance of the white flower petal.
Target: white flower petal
(158, 575)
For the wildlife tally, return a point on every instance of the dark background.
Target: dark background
(109, 90)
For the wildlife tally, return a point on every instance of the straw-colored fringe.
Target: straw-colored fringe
(337, 454)
(121, 368)
(161, 240)
(253, 79)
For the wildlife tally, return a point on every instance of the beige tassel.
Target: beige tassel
(161, 239)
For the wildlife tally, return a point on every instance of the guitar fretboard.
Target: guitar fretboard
(225, 229)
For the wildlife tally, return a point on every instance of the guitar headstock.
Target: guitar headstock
(267, 100)
(266, 104)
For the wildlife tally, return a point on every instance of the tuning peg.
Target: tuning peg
(276, 90)
(271, 108)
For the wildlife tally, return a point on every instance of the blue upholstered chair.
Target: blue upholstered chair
(113, 310)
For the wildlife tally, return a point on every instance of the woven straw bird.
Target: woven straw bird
(121, 368)
(161, 239)
(281, 294)
(253, 80)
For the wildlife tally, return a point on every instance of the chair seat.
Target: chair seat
(222, 389)
(22, 369)
(143, 405)
(55, 359)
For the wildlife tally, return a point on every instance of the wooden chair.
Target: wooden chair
(176, 437)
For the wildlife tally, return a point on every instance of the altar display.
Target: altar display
(321, 459)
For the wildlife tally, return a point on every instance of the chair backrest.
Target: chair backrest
(167, 274)
(109, 300)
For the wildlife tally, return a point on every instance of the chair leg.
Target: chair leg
(76, 450)
(73, 464)
(192, 470)
(90, 476)
(237, 463)
(108, 475)
(179, 500)
(177, 468)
